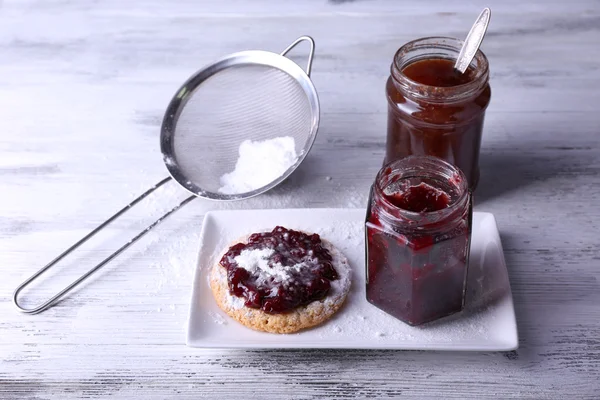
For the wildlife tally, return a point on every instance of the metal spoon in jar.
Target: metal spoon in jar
(473, 41)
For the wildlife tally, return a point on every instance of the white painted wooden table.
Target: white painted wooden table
(83, 86)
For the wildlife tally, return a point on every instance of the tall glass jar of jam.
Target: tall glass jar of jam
(418, 234)
(433, 109)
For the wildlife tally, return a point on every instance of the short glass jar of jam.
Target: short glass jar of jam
(433, 109)
(418, 235)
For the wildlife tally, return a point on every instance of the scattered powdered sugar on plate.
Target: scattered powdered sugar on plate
(217, 318)
(259, 163)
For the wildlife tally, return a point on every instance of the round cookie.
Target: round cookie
(300, 318)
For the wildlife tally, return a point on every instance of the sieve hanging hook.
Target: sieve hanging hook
(311, 52)
(167, 131)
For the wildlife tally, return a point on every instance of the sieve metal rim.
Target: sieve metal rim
(239, 59)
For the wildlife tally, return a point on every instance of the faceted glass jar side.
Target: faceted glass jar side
(417, 263)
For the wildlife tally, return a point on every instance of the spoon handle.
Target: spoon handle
(473, 41)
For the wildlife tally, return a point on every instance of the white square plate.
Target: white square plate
(487, 323)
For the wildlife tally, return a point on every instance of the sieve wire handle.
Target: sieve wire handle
(310, 54)
(83, 277)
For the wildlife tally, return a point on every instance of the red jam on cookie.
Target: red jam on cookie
(280, 270)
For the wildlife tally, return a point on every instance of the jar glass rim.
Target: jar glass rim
(442, 43)
(452, 173)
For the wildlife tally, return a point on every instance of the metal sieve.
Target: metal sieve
(250, 95)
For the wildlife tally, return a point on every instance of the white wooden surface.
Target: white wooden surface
(83, 85)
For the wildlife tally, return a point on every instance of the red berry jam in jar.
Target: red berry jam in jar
(434, 110)
(418, 234)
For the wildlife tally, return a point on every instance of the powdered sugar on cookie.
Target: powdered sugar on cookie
(256, 261)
